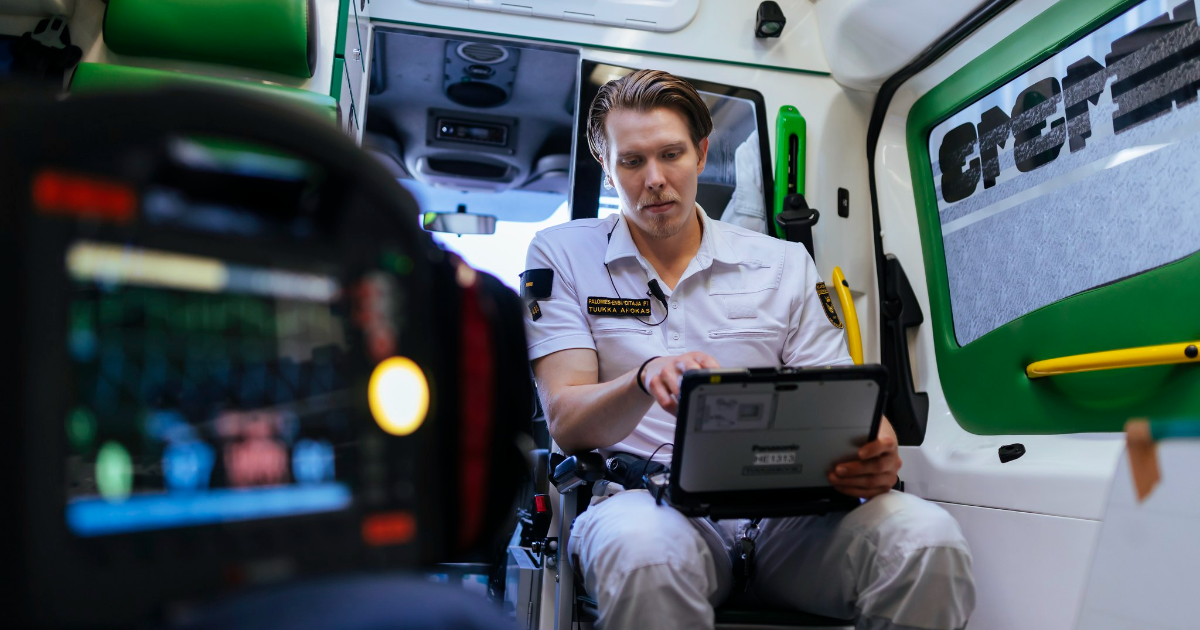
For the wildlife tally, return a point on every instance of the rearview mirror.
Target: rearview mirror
(459, 222)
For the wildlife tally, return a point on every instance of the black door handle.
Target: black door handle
(906, 408)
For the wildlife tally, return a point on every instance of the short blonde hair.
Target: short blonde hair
(643, 91)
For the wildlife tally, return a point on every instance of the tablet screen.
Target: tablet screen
(739, 411)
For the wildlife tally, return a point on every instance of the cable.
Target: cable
(646, 464)
(654, 290)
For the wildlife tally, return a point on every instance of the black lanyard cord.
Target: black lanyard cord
(649, 293)
(652, 286)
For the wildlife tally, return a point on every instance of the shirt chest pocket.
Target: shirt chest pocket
(622, 348)
(743, 333)
(745, 293)
(745, 347)
(751, 276)
(635, 334)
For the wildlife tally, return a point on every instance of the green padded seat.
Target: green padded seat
(275, 35)
(102, 77)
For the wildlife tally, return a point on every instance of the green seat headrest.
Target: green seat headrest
(102, 77)
(274, 35)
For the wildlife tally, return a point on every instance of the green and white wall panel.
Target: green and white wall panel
(352, 54)
(1033, 522)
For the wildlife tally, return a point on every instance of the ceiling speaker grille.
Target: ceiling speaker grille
(482, 53)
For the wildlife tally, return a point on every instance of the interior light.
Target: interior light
(769, 21)
(398, 394)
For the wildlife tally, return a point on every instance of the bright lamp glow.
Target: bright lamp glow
(399, 395)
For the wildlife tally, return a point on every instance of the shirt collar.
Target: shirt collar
(620, 242)
(713, 245)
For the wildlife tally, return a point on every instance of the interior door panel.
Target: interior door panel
(1053, 199)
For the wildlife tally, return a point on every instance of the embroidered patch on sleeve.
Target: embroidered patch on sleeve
(536, 284)
(827, 304)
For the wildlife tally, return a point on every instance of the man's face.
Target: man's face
(654, 167)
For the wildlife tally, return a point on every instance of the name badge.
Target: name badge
(618, 307)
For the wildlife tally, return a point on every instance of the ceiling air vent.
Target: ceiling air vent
(469, 168)
(482, 53)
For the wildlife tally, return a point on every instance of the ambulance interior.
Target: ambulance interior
(1005, 187)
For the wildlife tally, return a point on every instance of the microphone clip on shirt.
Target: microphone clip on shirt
(654, 289)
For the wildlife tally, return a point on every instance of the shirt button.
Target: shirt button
(674, 304)
(675, 336)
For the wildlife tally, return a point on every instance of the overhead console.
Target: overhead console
(478, 74)
(453, 128)
(480, 115)
(461, 130)
(466, 173)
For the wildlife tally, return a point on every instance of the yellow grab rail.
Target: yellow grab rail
(1183, 352)
(853, 336)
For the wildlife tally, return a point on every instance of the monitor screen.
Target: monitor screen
(203, 392)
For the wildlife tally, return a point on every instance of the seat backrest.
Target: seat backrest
(102, 77)
(273, 35)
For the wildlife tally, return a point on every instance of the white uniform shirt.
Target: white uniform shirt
(747, 299)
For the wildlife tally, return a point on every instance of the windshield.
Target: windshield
(520, 214)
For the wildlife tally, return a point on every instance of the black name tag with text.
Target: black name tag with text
(618, 307)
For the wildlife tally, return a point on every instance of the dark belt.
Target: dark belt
(628, 470)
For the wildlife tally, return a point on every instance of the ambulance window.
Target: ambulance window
(736, 183)
(1076, 174)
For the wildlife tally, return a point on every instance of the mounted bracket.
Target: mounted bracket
(796, 220)
(906, 408)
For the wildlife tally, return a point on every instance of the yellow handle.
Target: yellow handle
(853, 336)
(1184, 352)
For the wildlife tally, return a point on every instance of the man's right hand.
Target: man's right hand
(662, 376)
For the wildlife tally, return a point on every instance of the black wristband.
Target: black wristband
(642, 385)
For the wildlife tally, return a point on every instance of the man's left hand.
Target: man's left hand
(876, 470)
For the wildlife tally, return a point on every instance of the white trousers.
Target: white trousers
(896, 562)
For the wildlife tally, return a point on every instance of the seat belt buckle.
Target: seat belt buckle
(46, 54)
(51, 36)
(797, 221)
(541, 512)
(796, 213)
